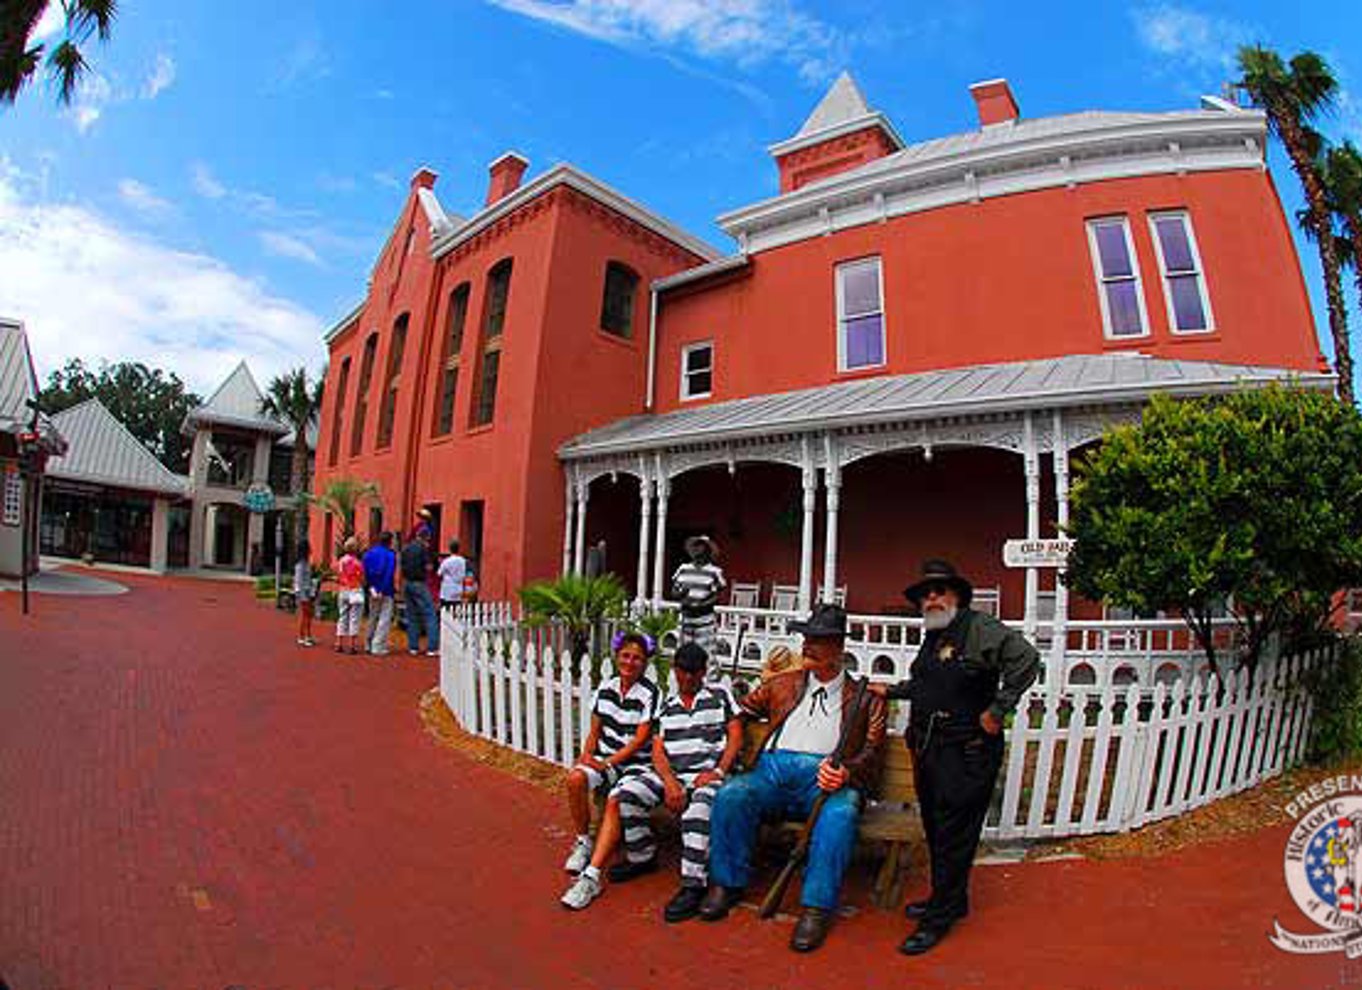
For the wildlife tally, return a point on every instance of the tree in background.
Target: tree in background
(1250, 502)
(150, 402)
(342, 498)
(66, 62)
(1341, 171)
(294, 400)
(1293, 95)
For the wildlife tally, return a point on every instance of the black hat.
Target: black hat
(825, 620)
(691, 657)
(938, 572)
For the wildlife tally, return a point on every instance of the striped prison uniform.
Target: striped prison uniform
(697, 588)
(694, 740)
(620, 714)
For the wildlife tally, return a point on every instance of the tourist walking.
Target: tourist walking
(380, 570)
(415, 567)
(349, 597)
(304, 592)
(453, 570)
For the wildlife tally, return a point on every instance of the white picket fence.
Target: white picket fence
(1079, 761)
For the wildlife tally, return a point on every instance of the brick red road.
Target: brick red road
(187, 800)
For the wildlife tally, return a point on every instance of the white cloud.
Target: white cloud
(743, 31)
(1197, 41)
(288, 246)
(52, 21)
(161, 76)
(88, 289)
(93, 94)
(204, 182)
(141, 198)
(387, 180)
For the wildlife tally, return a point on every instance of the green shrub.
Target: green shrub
(1336, 732)
(326, 606)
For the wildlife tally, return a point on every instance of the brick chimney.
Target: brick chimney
(504, 176)
(424, 178)
(995, 101)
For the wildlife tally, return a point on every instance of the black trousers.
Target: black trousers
(955, 774)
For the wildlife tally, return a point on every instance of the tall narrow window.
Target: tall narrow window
(860, 315)
(387, 412)
(453, 344)
(1118, 278)
(1184, 285)
(366, 376)
(617, 306)
(493, 323)
(338, 415)
(697, 371)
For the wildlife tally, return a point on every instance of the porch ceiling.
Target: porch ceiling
(1049, 383)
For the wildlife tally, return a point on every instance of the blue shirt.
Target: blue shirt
(380, 563)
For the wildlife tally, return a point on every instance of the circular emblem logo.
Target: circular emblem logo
(1323, 866)
(259, 497)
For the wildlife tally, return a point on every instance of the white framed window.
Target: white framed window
(1118, 278)
(860, 314)
(697, 370)
(1184, 281)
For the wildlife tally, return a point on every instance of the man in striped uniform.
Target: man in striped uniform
(621, 721)
(697, 585)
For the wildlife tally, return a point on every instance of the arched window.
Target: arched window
(366, 375)
(338, 414)
(449, 360)
(493, 323)
(617, 305)
(388, 410)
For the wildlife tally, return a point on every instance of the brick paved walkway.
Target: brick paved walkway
(188, 800)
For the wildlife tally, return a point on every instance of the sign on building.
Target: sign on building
(14, 496)
(259, 498)
(1037, 553)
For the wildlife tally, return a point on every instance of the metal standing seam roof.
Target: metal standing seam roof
(1075, 379)
(18, 382)
(236, 403)
(102, 451)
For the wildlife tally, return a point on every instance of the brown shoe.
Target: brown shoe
(718, 900)
(811, 930)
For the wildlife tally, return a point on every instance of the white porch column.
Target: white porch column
(806, 545)
(664, 489)
(1031, 462)
(645, 494)
(579, 558)
(1060, 447)
(832, 481)
(569, 486)
(160, 533)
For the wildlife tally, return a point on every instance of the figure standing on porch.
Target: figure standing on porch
(696, 585)
(968, 675)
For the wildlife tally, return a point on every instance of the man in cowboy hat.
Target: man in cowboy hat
(806, 707)
(968, 675)
(696, 585)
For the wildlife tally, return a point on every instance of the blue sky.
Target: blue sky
(223, 184)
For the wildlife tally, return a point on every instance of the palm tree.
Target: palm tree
(1341, 168)
(580, 603)
(66, 62)
(1292, 96)
(295, 401)
(342, 498)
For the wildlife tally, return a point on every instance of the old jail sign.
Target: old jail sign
(1037, 553)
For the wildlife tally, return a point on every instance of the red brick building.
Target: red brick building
(900, 357)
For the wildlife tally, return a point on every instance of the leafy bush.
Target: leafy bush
(1336, 732)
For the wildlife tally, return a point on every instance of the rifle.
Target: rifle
(771, 902)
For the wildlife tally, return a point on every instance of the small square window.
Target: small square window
(697, 371)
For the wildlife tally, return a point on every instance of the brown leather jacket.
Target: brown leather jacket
(777, 697)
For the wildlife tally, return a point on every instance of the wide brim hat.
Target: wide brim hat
(695, 543)
(935, 572)
(825, 620)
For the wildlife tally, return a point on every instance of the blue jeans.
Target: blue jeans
(420, 615)
(783, 785)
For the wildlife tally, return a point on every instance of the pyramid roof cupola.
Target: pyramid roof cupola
(841, 133)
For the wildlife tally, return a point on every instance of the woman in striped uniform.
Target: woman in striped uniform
(621, 720)
(696, 585)
(697, 739)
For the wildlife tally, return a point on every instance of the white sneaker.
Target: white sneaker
(580, 857)
(585, 890)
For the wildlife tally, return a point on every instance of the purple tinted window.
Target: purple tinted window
(1112, 251)
(1123, 306)
(864, 341)
(1188, 312)
(1173, 241)
(861, 288)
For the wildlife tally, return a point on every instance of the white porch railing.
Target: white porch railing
(1082, 759)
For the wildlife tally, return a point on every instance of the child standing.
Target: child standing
(304, 592)
(349, 597)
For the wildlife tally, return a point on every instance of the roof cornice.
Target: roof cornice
(905, 183)
(566, 175)
(872, 119)
(344, 323)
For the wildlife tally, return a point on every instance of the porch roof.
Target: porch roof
(102, 451)
(1047, 383)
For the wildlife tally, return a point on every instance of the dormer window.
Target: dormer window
(860, 315)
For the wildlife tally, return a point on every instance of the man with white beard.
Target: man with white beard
(967, 677)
